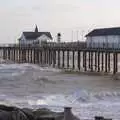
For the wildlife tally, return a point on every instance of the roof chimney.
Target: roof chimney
(59, 37)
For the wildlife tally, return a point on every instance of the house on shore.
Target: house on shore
(35, 37)
(104, 38)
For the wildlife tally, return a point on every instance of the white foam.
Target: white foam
(85, 104)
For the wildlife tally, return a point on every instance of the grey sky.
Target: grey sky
(56, 16)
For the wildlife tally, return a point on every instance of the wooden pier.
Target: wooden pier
(70, 57)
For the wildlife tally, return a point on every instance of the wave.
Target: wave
(83, 96)
(83, 103)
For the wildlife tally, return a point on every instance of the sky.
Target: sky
(73, 18)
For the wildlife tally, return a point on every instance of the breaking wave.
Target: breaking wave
(20, 84)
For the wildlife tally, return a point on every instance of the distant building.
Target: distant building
(35, 37)
(104, 38)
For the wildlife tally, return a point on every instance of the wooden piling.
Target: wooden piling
(67, 58)
(79, 56)
(95, 61)
(28, 55)
(11, 54)
(14, 54)
(89, 59)
(49, 57)
(41, 59)
(106, 61)
(4, 53)
(8, 53)
(23, 56)
(102, 61)
(114, 63)
(19, 57)
(63, 58)
(54, 58)
(45, 56)
(91, 64)
(83, 57)
(58, 58)
(34, 56)
(73, 59)
(37, 56)
(85, 61)
(98, 61)
(31, 56)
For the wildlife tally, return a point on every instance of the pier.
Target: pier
(73, 57)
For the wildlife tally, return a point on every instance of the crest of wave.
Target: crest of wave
(83, 96)
(7, 66)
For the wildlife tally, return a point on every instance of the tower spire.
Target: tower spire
(36, 29)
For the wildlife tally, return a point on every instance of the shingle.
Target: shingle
(104, 32)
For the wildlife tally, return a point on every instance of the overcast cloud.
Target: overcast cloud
(56, 16)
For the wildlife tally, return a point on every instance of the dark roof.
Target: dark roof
(105, 31)
(34, 35)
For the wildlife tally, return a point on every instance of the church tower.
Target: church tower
(36, 29)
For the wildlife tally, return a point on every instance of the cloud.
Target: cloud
(55, 15)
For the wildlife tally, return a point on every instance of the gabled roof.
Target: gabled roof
(104, 32)
(34, 35)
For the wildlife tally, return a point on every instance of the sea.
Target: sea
(34, 86)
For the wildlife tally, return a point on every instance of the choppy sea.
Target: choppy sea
(33, 86)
